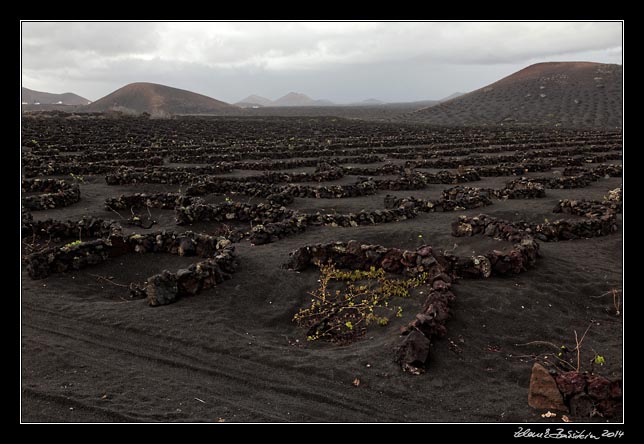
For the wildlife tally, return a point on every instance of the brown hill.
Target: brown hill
(158, 99)
(31, 97)
(569, 94)
(254, 100)
(299, 99)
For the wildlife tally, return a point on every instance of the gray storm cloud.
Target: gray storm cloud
(339, 61)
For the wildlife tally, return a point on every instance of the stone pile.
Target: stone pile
(267, 164)
(179, 175)
(452, 199)
(79, 167)
(411, 181)
(231, 211)
(26, 218)
(519, 258)
(362, 217)
(215, 185)
(55, 193)
(317, 176)
(166, 287)
(608, 170)
(150, 200)
(208, 185)
(561, 158)
(547, 231)
(588, 208)
(78, 255)
(116, 154)
(615, 195)
(446, 177)
(411, 202)
(69, 257)
(360, 188)
(412, 354)
(199, 170)
(588, 394)
(568, 230)
(298, 222)
(355, 256)
(272, 232)
(521, 189)
(280, 198)
(87, 227)
(574, 170)
(388, 168)
(581, 394)
(517, 169)
(126, 176)
(603, 157)
(461, 198)
(566, 181)
(200, 155)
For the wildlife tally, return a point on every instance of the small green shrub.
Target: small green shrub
(70, 245)
(77, 178)
(343, 314)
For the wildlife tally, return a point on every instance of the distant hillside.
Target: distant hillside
(384, 113)
(419, 104)
(372, 102)
(254, 100)
(158, 99)
(294, 99)
(31, 97)
(367, 102)
(569, 94)
(298, 99)
(451, 96)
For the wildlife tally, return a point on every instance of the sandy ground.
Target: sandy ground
(232, 353)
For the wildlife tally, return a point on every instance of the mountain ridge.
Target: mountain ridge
(33, 97)
(569, 94)
(157, 99)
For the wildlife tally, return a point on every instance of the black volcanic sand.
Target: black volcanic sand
(232, 353)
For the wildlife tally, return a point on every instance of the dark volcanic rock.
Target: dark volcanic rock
(413, 353)
(581, 405)
(571, 383)
(161, 289)
(187, 247)
(598, 387)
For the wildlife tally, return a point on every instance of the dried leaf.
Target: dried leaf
(548, 414)
(356, 382)
(565, 418)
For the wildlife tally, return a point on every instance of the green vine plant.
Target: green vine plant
(69, 246)
(341, 315)
(77, 178)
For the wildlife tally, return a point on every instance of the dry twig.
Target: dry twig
(578, 344)
(103, 278)
(119, 214)
(537, 343)
(617, 303)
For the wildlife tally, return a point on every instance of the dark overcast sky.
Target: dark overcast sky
(338, 61)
